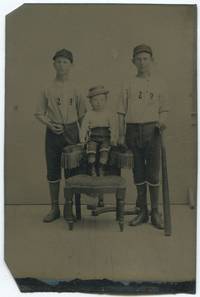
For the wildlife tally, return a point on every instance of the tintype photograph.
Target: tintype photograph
(101, 148)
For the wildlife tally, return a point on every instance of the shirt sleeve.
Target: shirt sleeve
(123, 101)
(163, 99)
(42, 105)
(113, 127)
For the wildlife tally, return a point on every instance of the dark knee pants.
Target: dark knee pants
(54, 145)
(99, 142)
(144, 141)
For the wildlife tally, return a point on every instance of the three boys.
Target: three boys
(142, 113)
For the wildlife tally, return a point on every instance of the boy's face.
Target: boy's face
(62, 66)
(143, 62)
(98, 102)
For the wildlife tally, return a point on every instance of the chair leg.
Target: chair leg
(68, 213)
(117, 208)
(120, 199)
(100, 200)
(78, 206)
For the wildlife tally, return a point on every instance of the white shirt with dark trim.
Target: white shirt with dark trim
(61, 103)
(143, 100)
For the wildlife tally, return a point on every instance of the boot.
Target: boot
(156, 218)
(141, 205)
(141, 218)
(102, 171)
(92, 169)
(55, 211)
(136, 210)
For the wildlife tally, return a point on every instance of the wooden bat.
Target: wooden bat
(165, 188)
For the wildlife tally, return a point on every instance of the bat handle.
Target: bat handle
(165, 188)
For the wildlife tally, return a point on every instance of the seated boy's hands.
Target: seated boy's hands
(122, 148)
(113, 142)
(83, 144)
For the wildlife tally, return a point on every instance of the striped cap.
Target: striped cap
(142, 48)
(65, 54)
(98, 90)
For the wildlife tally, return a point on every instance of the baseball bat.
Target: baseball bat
(165, 188)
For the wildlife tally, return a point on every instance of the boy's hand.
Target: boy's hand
(57, 128)
(161, 126)
(113, 142)
(83, 143)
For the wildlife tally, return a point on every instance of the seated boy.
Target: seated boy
(98, 130)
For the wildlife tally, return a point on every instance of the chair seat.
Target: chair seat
(96, 181)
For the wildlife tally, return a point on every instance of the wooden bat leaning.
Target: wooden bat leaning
(165, 188)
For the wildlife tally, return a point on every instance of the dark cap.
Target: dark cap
(98, 90)
(142, 48)
(65, 54)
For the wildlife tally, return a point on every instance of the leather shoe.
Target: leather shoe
(52, 215)
(141, 218)
(156, 219)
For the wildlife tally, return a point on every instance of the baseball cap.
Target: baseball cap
(97, 90)
(64, 53)
(142, 48)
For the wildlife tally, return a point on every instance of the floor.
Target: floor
(96, 249)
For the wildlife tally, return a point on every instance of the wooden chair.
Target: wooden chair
(76, 185)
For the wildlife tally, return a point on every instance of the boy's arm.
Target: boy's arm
(121, 124)
(163, 109)
(81, 108)
(122, 110)
(113, 128)
(84, 128)
(41, 115)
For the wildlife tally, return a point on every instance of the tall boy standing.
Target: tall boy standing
(61, 110)
(142, 113)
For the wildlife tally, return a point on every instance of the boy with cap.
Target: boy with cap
(61, 110)
(142, 114)
(98, 130)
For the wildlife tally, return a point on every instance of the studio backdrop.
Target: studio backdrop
(101, 38)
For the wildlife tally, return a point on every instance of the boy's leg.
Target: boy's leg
(139, 172)
(142, 216)
(104, 149)
(135, 144)
(103, 157)
(54, 194)
(53, 161)
(91, 155)
(156, 218)
(153, 168)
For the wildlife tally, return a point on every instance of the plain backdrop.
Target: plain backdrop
(101, 38)
(28, 191)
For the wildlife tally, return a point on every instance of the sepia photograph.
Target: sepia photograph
(101, 148)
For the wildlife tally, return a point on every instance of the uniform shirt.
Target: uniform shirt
(94, 119)
(143, 100)
(60, 103)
